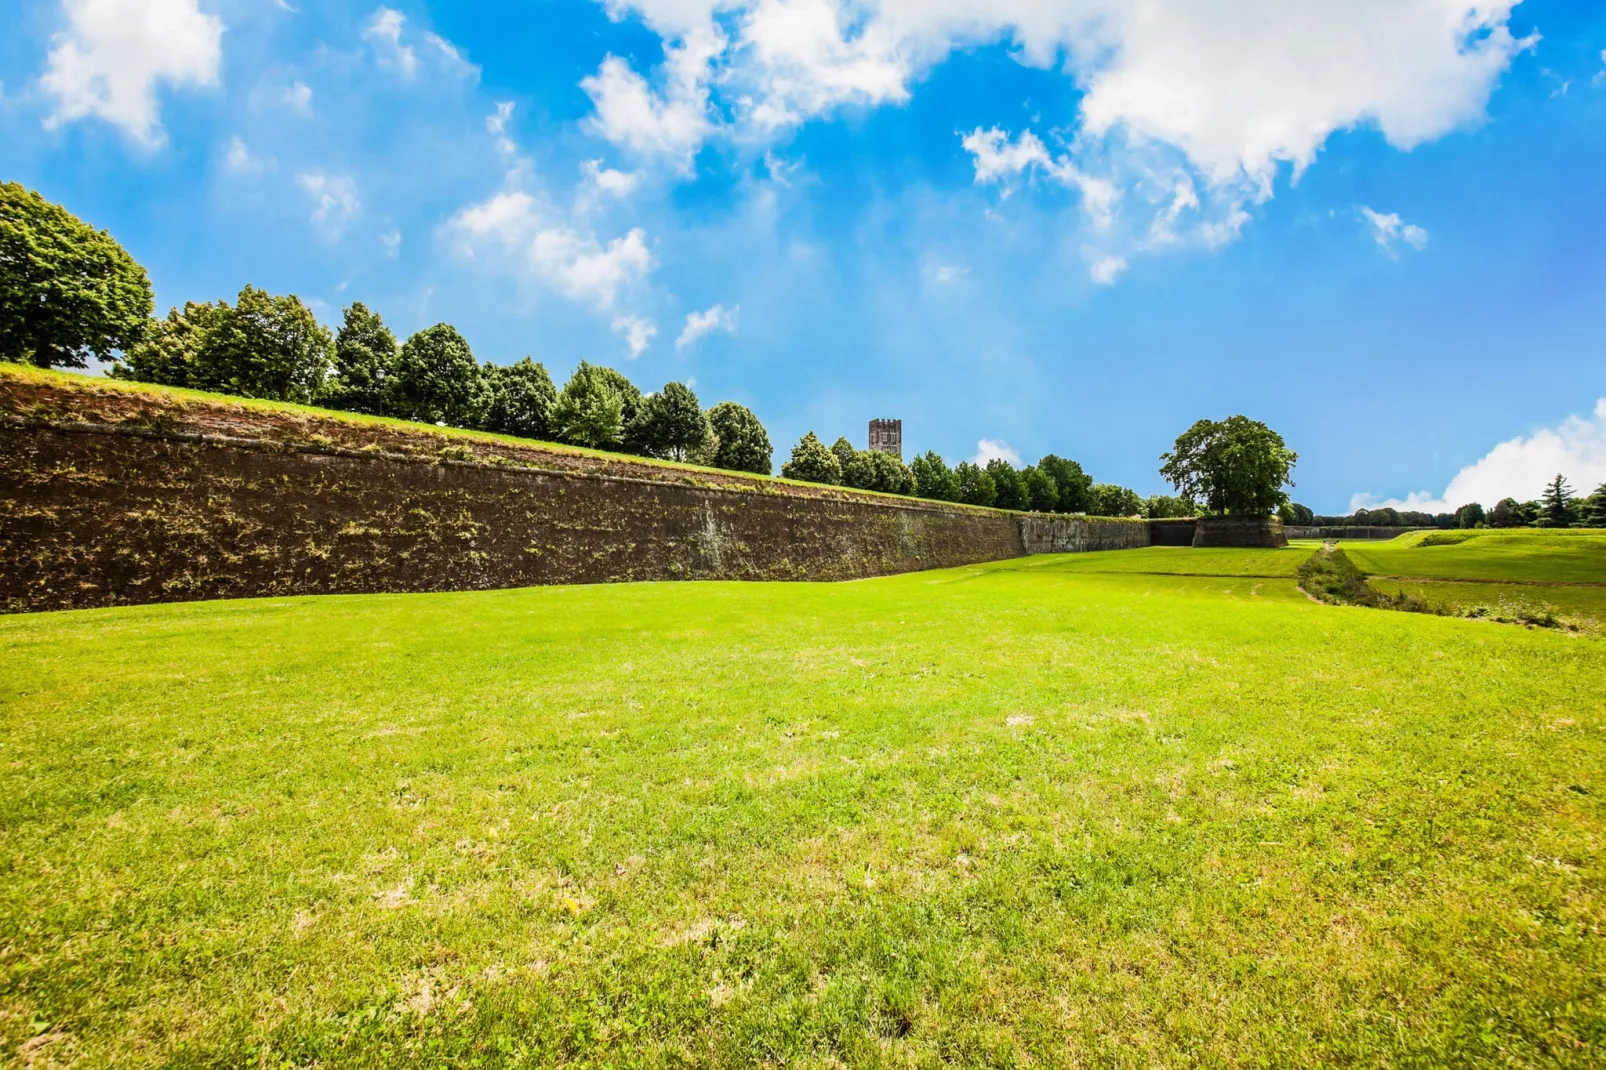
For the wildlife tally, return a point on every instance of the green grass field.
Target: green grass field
(1508, 573)
(1037, 813)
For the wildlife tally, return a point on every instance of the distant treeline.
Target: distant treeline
(1558, 506)
(1052, 485)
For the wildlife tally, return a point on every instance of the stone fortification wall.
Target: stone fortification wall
(1177, 532)
(1044, 534)
(1239, 531)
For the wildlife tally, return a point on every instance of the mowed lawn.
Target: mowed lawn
(1562, 572)
(1010, 815)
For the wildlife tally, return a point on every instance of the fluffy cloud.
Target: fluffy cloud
(718, 318)
(1388, 229)
(670, 125)
(602, 179)
(637, 333)
(575, 264)
(384, 33)
(298, 98)
(992, 449)
(1188, 111)
(114, 53)
(1519, 468)
(334, 201)
(240, 160)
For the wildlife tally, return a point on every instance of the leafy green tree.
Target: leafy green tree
(669, 424)
(170, 351)
(1042, 493)
(858, 466)
(271, 347)
(1303, 514)
(1075, 485)
(1108, 499)
(885, 473)
(67, 290)
(589, 411)
(629, 397)
(1470, 515)
(976, 487)
(519, 399)
(933, 478)
(1593, 511)
(437, 380)
(744, 445)
(1164, 506)
(1237, 466)
(1556, 504)
(1507, 513)
(1008, 483)
(365, 355)
(812, 462)
(844, 455)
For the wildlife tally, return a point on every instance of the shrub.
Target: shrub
(67, 290)
(812, 462)
(743, 446)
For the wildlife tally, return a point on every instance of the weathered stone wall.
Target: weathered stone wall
(1040, 534)
(1240, 531)
(1173, 532)
(103, 516)
(1309, 532)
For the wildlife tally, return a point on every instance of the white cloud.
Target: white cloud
(334, 201)
(1600, 76)
(1187, 111)
(606, 180)
(391, 240)
(1104, 270)
(298, 98)
(1390, 228)
(575, 264)
(1519, 468)
(242, 161)
(496, 126)
(384, 32)
(114, 53)
(670, 125)
(451, 54)
(992, 449)
(944, 274)
(718, 318)
(637, 332)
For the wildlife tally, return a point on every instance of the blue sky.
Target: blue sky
(1048, 225)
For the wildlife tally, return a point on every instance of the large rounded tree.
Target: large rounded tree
(744, 445)
(437, 380)
(1237, 466)
(67, 290)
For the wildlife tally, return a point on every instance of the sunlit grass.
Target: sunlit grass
(1002, 815)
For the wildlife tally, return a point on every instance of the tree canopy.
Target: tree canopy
(669, 424)
(976, 486)
(812, 462)
(519, 399)
(365, 356)
(1237, 466)
(1075, 486)
(589, 411)
(437, 380)
(743, 446)
(67, 291)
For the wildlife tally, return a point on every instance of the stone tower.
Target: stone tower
(887, 436)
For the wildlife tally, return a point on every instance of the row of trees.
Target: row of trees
(266, 346)
(1558, 506)
(1052, 485)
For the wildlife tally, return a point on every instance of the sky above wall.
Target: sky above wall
(1021, 226)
